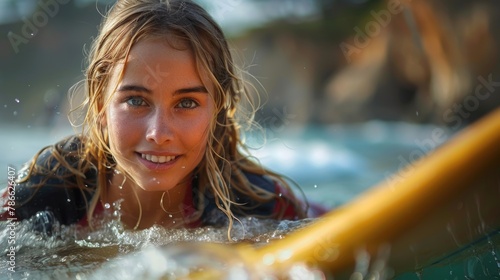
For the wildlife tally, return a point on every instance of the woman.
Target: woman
(160, 131)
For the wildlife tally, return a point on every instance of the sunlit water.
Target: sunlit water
(71, 252)
(331, 164)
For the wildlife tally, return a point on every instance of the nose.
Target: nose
(160, 127)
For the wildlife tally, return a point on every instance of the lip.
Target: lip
(157, 166)
(156, 153)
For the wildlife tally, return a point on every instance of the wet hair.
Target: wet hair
(221, 171)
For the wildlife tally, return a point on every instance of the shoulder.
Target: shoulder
(261, 181)
(285, 205)
(263, 197)
(57, 165)
(48, 183)
(258, 184)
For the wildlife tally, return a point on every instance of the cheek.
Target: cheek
(197, 132)
(122, 129)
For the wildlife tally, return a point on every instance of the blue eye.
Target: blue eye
(136, 101)
(187, 104)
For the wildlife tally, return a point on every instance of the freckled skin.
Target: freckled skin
(161, 108)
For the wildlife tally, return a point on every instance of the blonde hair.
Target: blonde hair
(221, 171)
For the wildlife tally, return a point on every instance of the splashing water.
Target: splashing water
(76, 252)
(109, 251)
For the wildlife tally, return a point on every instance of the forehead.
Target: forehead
(161, 44)
(156, 60)
(160, 52)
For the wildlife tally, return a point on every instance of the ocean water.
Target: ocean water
(331, 164)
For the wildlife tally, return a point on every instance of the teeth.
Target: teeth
(157, 159)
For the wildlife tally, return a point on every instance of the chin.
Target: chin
(152, 185)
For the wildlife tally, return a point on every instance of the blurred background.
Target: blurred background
(356, 89)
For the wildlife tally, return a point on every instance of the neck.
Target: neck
(142, 209)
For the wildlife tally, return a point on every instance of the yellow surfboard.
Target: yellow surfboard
(436, 206)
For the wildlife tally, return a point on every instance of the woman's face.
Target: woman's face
(158, 115)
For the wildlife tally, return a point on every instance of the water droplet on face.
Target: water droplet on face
(68, 200)
(17, 100)
(170, 215)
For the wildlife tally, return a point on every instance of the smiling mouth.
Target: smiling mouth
(158, 159)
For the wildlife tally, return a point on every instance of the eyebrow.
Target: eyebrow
(134, 88)
(201, 89)
(139, 88)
